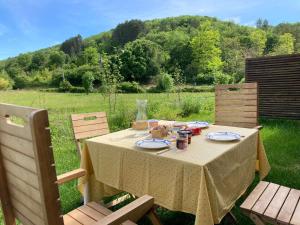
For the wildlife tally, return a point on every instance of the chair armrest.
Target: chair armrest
(66, 177)
(133, 212)
(258, 127)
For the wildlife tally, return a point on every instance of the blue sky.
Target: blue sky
(28, 25)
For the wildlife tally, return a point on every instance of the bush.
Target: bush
(205, 78)
(87, 82)
(65, 86)
(130, 87)
(4, 84)
(77, 90)
(165, 82)
(198, 89)
(190, 106)
(222, 78)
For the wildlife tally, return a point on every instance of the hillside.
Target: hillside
(186, 49)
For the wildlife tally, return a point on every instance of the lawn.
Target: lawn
(281, 137)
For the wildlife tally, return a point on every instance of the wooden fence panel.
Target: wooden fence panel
(278, 79)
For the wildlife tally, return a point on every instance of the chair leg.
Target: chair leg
(230, 218)
(78, 145)
(153, 217)
(256, 219)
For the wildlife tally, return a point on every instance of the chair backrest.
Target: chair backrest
(89, 125)
(28, 186)
(236, 105)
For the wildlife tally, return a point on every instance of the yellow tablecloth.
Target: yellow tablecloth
(205, 180)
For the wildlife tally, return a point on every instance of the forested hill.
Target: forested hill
(191, 49)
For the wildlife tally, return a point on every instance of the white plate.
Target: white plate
(199, 124)
(223, 136)
(153, 144)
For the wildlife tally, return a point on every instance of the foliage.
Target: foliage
(196, 46)
(87, 81)
(205, 78)
(221, 78)
(130, 87)
(72, 46)
(90, 56)
(190, 106)
(65, 86)
(56, 59)
(285, 45)
(141, 60)
(165, 82)
(4, 84)
(39, 60)
(127, 31)
(206, 51)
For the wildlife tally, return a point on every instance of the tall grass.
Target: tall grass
(281, 138)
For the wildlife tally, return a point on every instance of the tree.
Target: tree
(262, 24)
(127, 31)
(39, 61)
(90, 56)
(24, 61)
(56, 59)
(285, 45)
(141, 60)
(257, 41)
(87, 82)
(111, 77)
(206, 51)
(233, 57)
(72, 46)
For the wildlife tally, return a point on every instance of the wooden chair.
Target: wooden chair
(28, 182)
(88, 125)
(237, 105)
(274, 204)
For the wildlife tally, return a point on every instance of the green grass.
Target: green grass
(281, 137)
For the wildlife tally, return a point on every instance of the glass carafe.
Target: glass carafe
(141, 110)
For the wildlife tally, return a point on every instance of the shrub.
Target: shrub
(198, 89)
(190, 106)
(130, 87)
(87, 82)
(121, 119)
(165, 82)
(4, 84)
(77, 90)
(65, 86)
(205, 78)
(222, 78)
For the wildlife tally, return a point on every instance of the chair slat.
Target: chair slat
(265, 199)
(31, 216)
(254, 196)
(296, 216)
(21, 174)
(86, 115)
(94, 214)
(91, 127)
(68, 220)
(15, 130)
(19, 159)
(16, 143)
(78, 123)
(26, 201)
(277, 202)
(24, 187)
(288, 207)
(81, 217)
(90, 134)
